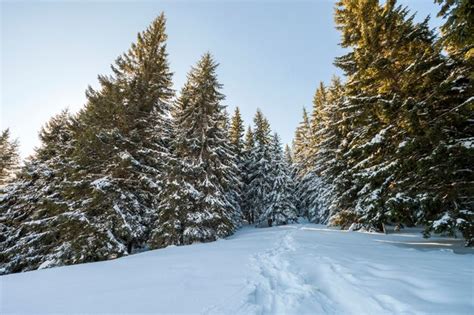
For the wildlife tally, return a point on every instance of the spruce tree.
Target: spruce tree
(280, 207)
(201, 177)
(39, 225)
(260, 183)
(302, 164)
(248, 168)
(125, 139)
(301, 144)
(326, 147)
(450, 207)
(235, 135)
(405, 109)
(374, 88)
(96, 197)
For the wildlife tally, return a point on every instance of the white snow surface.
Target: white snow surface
(294, 269)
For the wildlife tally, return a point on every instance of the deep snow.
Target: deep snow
(296, 269)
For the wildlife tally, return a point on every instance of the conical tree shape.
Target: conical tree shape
(235, 134)
(248, 167)
(202, 173)
(105, 198)
(126, 138)
(301, 144)
(38, 224)
(259, 175)
(280, 208)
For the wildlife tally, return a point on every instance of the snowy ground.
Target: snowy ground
(297, 269)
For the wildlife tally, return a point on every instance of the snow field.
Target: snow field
(295, 269)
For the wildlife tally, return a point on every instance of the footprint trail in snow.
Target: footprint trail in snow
(275, 287)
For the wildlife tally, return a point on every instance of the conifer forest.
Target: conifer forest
(386, 148)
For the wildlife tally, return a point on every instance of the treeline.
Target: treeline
(141, 167)
(394, 142)
(137, 168)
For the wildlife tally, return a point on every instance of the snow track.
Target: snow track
(278, 288)
(296, 269)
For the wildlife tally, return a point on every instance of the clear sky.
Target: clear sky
(272, 54)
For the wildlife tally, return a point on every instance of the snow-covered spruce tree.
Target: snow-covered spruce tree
(38, 226)
(280, 208)
(234, 179)
(453, 157)
(292, 184)
(374, 88)
(123, 140)
(9, 157)
(260, 183)
(325, 158)
(195, 207)
(97, 197)
(406, 112)
(235, 135)
(303, 168)
(173, 206)
(248, 168)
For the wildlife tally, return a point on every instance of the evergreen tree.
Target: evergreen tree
(280, 208)
(125, 138)
(9, 157)
(248, 168)
(404, 110)
(302, 164)
(38, 224)
(260, 183)
(201, 177)
(326, 147)
(235, 135)
(450, 206)
(96, 197)
(301, 144)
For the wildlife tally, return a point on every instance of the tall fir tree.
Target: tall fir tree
(301, 144)
(106, 182)
(260, 183)
(280, 207)
(324, 160)
(38, 224)
(204, 165)
(248, 168)
(126, 139)
(404, 109)
(302, 165)
(453, 155)
(235, 134)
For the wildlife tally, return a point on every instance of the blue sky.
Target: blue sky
(272, 54)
